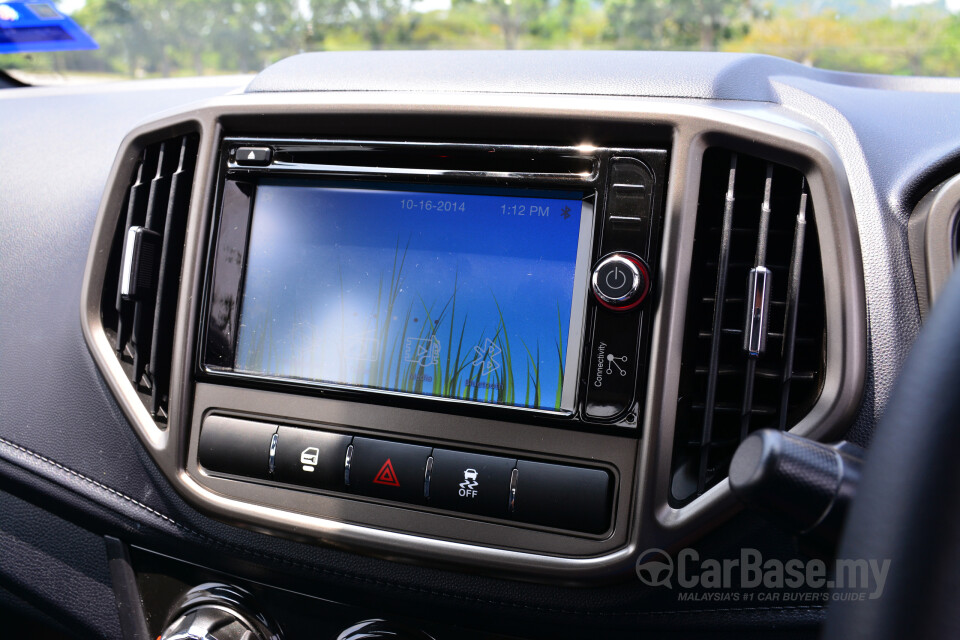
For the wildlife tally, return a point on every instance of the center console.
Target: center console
(425, 313)
(459, 334)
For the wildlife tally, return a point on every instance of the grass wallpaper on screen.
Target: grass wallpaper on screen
(451, 295)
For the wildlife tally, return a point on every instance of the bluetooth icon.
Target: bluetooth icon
(565, 212)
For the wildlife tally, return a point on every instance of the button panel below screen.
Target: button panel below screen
(542, 494)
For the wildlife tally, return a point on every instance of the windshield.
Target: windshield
(164, 38)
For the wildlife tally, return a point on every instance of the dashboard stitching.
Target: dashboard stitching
(90, 481)
(385, 583)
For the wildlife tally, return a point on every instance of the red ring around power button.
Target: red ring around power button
(620, 281)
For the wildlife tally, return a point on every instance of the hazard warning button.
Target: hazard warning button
(391, 470)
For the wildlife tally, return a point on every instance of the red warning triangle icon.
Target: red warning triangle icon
(387, 475)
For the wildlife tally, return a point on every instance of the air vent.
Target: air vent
(143, 276)
(754, 343)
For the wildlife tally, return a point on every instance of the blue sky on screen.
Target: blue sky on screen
(323, 261)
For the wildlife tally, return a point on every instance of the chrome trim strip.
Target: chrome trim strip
(513, 489)
(347, 461)
(352, 170)
(273, 452)
(427, 476)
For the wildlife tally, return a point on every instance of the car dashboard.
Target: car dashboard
(256, 334)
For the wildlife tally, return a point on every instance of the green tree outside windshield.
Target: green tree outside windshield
(160, 38)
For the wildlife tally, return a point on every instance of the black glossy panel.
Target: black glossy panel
(631, 217)
(237, 447)
(630, 200)
(226, 278)
(564, 497)
(613, 358)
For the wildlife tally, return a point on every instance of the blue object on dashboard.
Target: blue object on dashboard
(39, 26)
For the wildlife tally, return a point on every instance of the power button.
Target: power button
(620, 281)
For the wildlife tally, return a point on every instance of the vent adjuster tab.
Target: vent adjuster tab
(758, 305)
(139, 266)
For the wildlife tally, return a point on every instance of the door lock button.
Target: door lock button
(310, 458)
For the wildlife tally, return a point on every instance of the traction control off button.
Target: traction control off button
(471, 483)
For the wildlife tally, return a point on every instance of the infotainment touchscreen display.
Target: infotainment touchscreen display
(466, 294)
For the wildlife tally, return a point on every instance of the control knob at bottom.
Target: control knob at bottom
(216, 611)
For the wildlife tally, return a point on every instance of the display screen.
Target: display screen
(464, 295)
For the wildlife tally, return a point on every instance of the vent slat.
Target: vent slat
(181, 184)
(736, 408)
(776, 335)
(720, 443)
(758, 263)
(156, 204)
(768, 374)
(155, 221)
(793, 303)
(734, 300)
(764, 231)
(746, 368)
(751, 231)
(137, 200)
(717, 322)
(746, 266)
